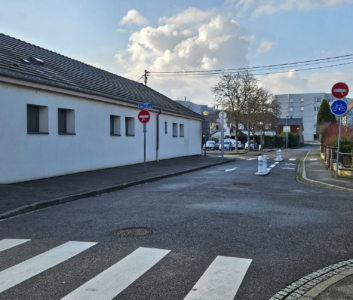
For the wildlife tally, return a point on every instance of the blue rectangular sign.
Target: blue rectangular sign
(145, 105)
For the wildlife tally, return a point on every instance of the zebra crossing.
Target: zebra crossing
(221, 280)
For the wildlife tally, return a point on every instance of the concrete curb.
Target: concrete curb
(312, 285)
(320, 182)
(56, 201)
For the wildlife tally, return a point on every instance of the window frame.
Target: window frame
(131, 121)
(181, 130)
(69, 121)
(175, 129)
(115, 125)
(165, 127)
(41, 119)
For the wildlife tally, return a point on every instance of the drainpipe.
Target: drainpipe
(157, 152)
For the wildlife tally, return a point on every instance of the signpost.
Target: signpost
(144, 116)
(145, 105)
(339, 107)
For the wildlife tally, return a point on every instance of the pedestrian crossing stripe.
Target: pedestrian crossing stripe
(9, 243)
(221, 280)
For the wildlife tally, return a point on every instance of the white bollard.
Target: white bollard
(260, 168)
(277, 158)
(280, 154)
(264, 166)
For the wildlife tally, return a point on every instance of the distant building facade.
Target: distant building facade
(305, 106)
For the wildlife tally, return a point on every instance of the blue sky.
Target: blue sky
(127, 37)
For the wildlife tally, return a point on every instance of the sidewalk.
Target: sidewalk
(26, 196)
(316, 170)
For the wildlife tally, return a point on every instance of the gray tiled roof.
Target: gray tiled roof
(61, 71)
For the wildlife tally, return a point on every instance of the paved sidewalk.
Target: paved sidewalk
(341, 290)
(24, 196)
(316, 169)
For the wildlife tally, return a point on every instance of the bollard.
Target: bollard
(280, 154)
(264, 166)
(260, 164)
(277, 155)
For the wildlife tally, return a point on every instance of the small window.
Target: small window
(291, 100)
(129, 126)
(175, 130)
(316, 108)
(302, 100)
(165, 127)
(291, 109)
(181, 130)
(302, 108)
(315, 118)
(66, 121)
(314, 126)
(37, 119)
(317, 100)
(115, 125)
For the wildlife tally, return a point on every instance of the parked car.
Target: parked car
(251, 145)
(227, 145)
(240, 145)
(210, 145)
(217, 146)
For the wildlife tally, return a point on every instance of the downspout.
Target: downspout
(157, 152)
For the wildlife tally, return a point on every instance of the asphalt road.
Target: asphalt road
(287, 229)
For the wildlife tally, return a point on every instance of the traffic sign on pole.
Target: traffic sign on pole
(340, 90)
(339, 107)
(144, 116)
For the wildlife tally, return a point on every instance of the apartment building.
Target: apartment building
(305, 106)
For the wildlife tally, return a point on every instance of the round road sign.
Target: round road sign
(339, 107)
(144, 116)
(222, 114)
(340, 90)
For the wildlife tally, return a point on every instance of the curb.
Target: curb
(56, 201)
(312, 285)
(320, 182)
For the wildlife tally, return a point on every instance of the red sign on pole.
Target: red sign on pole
(144, 116)
(340, 90)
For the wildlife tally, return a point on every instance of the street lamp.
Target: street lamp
(261, 123)
(205, 113)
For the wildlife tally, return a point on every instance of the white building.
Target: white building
(305, 106)
(60, 116)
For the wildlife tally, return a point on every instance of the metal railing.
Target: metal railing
(344, 159)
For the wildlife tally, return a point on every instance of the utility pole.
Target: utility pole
(145, 76)
(287, 131)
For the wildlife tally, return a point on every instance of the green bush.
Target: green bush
(293, 139)
(346, 146)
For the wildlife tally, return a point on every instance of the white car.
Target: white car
(210, 145)
(240, 145)
(227, 145)
(251, 145)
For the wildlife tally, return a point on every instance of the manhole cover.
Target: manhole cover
(134, 232)
(242, 184)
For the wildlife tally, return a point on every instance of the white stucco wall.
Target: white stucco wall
(26, 156)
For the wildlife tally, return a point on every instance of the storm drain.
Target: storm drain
(242, 184)
(134, 232)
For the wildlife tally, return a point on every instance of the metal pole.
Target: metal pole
(144, 145)
(286, 132)
(222, 136)
(339, 142)
(205, 134)
(261, 137)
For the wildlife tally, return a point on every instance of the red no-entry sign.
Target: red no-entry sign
(340, 90)
(144, 116)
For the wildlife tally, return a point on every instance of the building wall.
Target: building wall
(32, 156)
(309, 114)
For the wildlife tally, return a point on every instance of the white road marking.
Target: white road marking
(288, 168)
(228, 170)
(276, 162)
(221, 280)
(272, 166)
(290, 164)
(38, 264)
(251, 158)
(9, 243)
(292, 159)
(118, 277)
(313, 158)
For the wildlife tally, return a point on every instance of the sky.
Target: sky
(128, 37)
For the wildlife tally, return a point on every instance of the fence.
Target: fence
(344, 159)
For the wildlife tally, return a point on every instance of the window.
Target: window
(317, 100)
(316, 108)
(302, 108)
(115, 125)
(175, 130)
(314, 126)
(37, 119)
(165, 127)
(315, 118)
(302, 100)
(291, 100)
(66, 121)
(291, 109)
(129, 126)
(181, 130)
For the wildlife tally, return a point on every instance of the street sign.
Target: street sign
(339, 107)
(340, 90)
(144, 116)
(145, 105)
(222, 114)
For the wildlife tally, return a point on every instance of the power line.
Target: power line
(251, 68)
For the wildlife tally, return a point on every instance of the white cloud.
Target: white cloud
(121, 30)
(265, 46)
(210, 41)
(134, 17)
(296, 82)
(260, 7)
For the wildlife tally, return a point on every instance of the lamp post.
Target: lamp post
(205, 113)
(261, 123)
